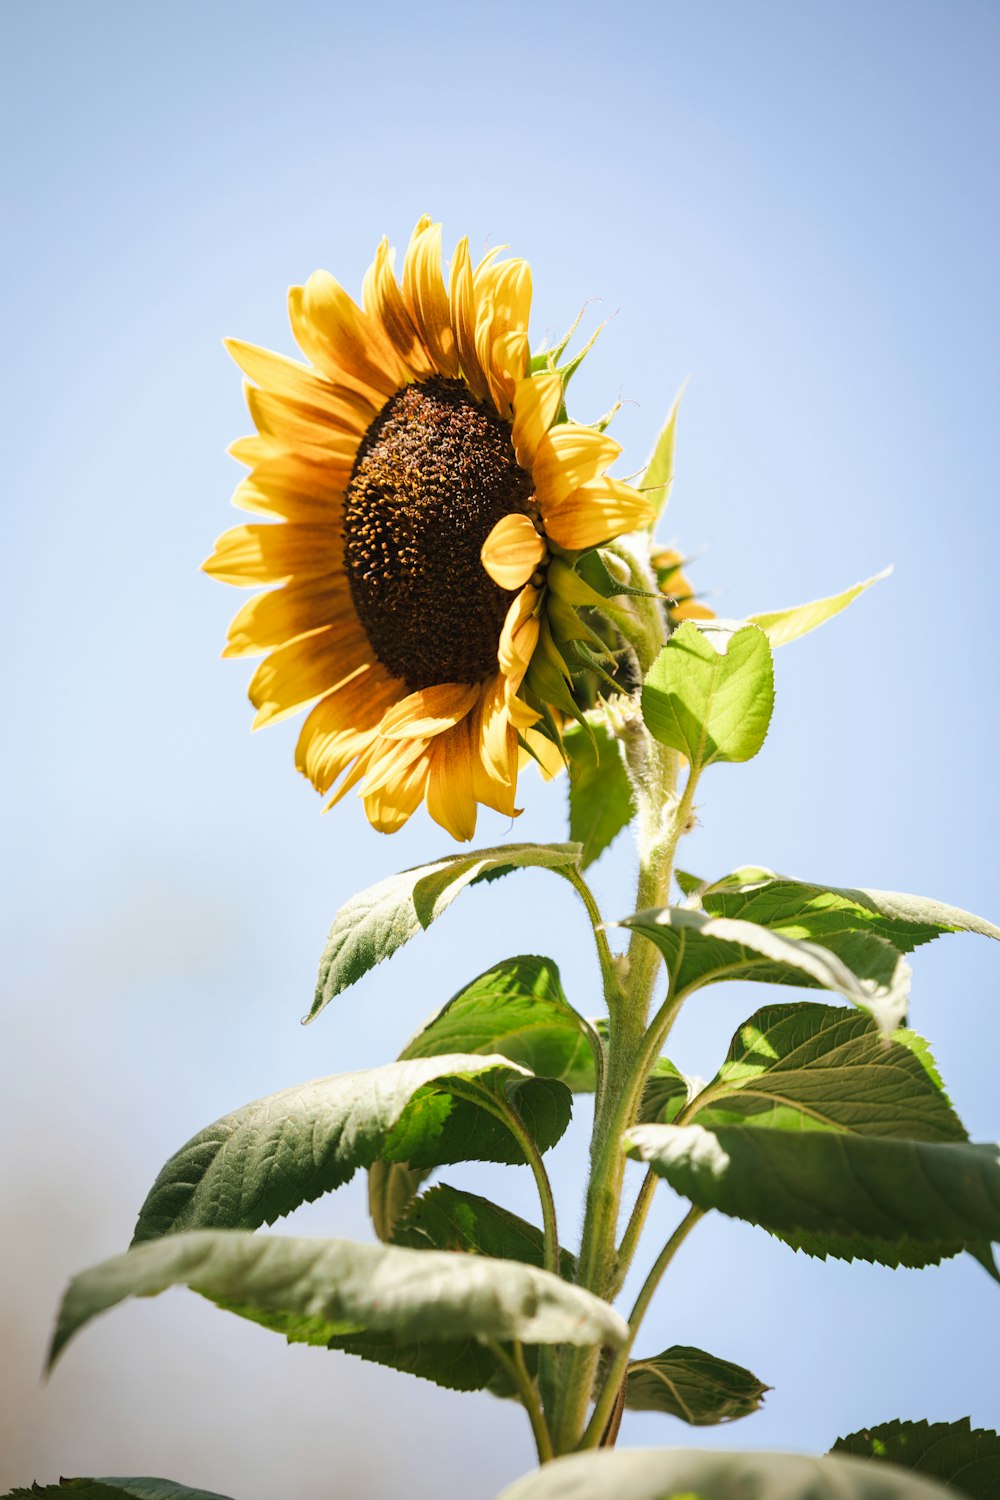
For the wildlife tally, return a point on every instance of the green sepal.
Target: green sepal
(658, 476)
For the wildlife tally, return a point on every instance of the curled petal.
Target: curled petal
(512, 551)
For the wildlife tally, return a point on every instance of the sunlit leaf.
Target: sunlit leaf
(516, 1008)
(696, 1474)
(899, 1202)
(802, 909)
(414, 1295)
(821, 1067)
(600, 796)
(265, 1159)
(784, 625)
(710, 696)
(701, 949)
(657, 478)
(378, 921)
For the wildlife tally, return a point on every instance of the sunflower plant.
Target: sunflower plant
(455, 591)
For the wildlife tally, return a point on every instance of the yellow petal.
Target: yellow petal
(503, 296)
(429, 712)
(260, 553)
(283, 614)
(537, 399)
(383, 300)
(305, 669)
(390, 807)
(296, 426)
(298, 382)
(509, 365)
(520, 714)
(462, 305)
(279, 500)
(387, 759)
(519, 635)
(595, 512)
(426, 298)
(512, 551)
(314, 467)
(547, 755)
(494, 748)
(450, 798)
(343, 725)
(343, 341)
(568, 457)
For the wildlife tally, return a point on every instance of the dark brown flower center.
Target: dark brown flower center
(434, 474)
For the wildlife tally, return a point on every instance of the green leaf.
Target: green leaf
(392, 1186)
(414, 1295)
(956, 1453)
(899, 1202)
(516, 1008)
(783, 625)
(821, 1067)
(701, 949)
(600, 796)
(711, 704)
(800, 909)
(374, 924)
(114, 1489)
(445, 1218)
(697, 1387)
(665, 1094)
(658, 476)
(694, 1474)
(264, 1160)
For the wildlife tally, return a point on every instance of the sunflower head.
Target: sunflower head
(426, 504)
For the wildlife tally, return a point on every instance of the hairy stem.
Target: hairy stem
(634, 1228)
(527, 1393)
(612, 1391)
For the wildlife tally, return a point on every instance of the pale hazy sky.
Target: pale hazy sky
(795, 204)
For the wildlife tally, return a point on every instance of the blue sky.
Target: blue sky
(795, 205)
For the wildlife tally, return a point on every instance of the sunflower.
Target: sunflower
(426, 505)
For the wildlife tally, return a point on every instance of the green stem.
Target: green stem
(506, 1111)
(527, 1394)
(617, 1374)
(606, 959)
(634, 1228)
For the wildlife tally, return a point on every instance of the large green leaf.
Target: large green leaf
(264, 1160)
(801, 909)
(412, 1295)
(600, 795)
(959, 1455)
(456, 1364)
(113, 1489)
(445, 1218)
(821, 1067)
(694, 1474)
(697, 1387)
(378, 921)
(784, 625)
(899, 1202)
(516, 1008)
(701, 949)
(710, 696)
